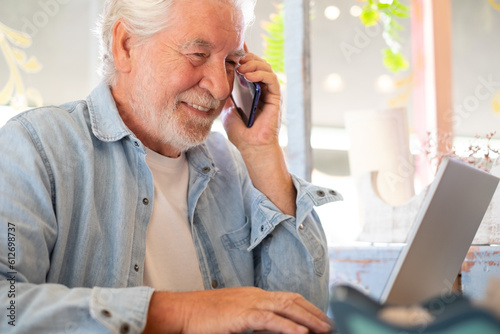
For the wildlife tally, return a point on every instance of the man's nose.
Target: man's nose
(216, 81)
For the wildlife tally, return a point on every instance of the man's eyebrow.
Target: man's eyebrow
(209, 46)
(197, 42)
(239, 53)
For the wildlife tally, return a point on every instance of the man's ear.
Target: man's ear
(122, 47)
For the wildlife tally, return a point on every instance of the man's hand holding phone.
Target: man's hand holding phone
(245, 97)
(259, 144)
(261, 113)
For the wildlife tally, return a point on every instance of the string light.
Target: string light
(384, 84)
(333, 83)
(332, 12)
(355, 11)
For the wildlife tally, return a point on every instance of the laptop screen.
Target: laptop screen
(442, 233)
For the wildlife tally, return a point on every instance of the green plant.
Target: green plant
(373, 11)
(387, 11)
(274, 40)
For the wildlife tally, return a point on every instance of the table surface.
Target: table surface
(368, 266)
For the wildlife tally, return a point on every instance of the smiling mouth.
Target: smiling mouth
(200, 108)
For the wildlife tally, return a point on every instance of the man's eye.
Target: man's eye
(231, 63)
(197, 58)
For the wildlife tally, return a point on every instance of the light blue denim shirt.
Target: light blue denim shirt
(75, 202)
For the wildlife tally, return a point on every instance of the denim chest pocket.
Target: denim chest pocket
(236, 244)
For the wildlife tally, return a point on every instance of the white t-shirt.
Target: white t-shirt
(171, 263)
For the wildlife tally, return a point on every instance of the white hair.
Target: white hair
(144, 18)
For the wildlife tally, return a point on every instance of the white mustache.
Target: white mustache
(196, 99)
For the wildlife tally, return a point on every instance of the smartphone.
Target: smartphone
(245, 97)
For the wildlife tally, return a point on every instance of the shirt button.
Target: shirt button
(136, 144)
(320, 193)
(124, 328)
(301, 226)
(145, 201)
(333, 192)
(136, 267)
(262, 228)
(106, 313)
(206, 170)
(215, 284)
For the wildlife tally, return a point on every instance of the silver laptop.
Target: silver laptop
(441, 235)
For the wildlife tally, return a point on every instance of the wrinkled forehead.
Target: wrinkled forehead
(214, 25)
(211, 16)
(227, 10)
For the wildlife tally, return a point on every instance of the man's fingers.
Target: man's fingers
(270, 321)
(313, 309)
(300, 311)
(233, 310)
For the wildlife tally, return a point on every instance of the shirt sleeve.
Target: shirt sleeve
(28, 232)
(54, 308)
(292, 253)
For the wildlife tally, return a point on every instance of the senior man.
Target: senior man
(123, 213)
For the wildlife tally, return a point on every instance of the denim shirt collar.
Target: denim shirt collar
(107, 125)
(201, 160)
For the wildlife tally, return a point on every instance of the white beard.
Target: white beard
(168, 125)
